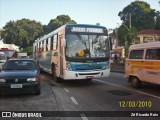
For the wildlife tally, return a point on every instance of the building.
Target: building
(117, 47)
(148, 35)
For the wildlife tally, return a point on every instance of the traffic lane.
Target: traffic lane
(64, 102)
(83, 85)
(118, 79)
(97, 96)
(102, 93)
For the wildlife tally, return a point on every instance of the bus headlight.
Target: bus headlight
(2, 80)
(68, 66)
(106, 66)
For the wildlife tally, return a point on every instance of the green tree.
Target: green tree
(52, 25)
(126, 36)
(157, 19)
(28, 50)
(8, 33)
(131, 35)
(57, 22)
(142, 16)
(22, 32)
(0, 32)
(122, 34)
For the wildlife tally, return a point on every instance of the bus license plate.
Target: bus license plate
(16, 86)
(88, 77)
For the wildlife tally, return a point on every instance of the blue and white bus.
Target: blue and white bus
(74, 51)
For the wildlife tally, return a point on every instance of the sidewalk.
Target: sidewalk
(117, 68)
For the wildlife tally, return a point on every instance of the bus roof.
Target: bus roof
(145, 45)
(87, 25)
(62, 27)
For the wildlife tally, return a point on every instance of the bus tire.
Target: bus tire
(135, 82)
(55, 78)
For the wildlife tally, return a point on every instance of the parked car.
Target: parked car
(3, 59)
(20, 76)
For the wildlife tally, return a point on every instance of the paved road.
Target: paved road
(104, 94)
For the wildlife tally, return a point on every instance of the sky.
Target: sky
(104, 12)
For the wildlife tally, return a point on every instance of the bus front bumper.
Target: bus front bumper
(71, 75)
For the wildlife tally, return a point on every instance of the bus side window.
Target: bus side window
(55, 42)
(37, 47)
(42, 46)
(51, 43)
(46, 44)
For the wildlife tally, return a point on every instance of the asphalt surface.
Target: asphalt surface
(80, 97)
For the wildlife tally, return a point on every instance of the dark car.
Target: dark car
(20, 76)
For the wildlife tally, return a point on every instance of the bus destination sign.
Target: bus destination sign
(89, 30)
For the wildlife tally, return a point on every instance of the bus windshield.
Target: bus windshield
(91, 46)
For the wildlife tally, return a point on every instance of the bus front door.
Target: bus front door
(61, 55)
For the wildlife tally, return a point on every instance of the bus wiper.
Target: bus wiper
(81, 39)
(96, 39)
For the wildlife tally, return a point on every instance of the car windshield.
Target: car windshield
(19, 65)
(86, 46)
(2, 57)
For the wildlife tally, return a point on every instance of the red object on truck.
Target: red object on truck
(8, 52)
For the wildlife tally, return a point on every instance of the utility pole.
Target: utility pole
(130, 22)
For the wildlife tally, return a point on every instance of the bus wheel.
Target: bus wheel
(135, 82)
(58, 80)
(55, 78)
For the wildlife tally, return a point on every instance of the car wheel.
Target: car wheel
(38, 92)
(135, 82)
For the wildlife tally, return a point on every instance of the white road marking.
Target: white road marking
(128, 89)
(74, 100)
(66, 89)
(83, 117)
